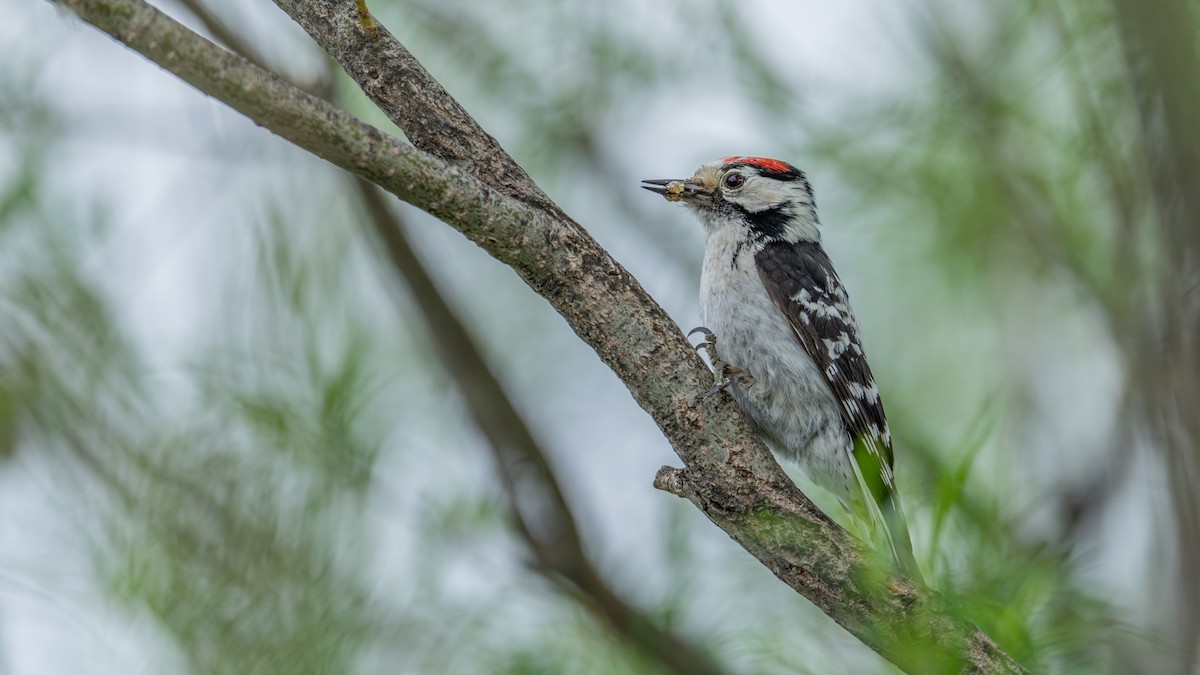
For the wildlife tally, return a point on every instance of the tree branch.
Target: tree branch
(729, 474)
(402, 88)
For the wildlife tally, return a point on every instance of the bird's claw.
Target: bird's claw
(710, 341)
(721, 370)
(722, 381)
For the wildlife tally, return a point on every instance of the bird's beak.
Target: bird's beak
(678, 190)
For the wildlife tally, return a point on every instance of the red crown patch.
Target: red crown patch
(763, 162)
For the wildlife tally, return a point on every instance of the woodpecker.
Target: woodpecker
(783, 339)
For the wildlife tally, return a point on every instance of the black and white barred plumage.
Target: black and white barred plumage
(784, 326)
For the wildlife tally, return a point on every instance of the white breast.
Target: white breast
(789, 400)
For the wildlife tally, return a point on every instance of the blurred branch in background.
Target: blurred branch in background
(208, 517)
(540, 511)
(1160, 40)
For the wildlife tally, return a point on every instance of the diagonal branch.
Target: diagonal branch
(729, 474)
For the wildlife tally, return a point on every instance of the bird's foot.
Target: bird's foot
(724, 374)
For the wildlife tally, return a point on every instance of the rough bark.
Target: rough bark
(729, 474)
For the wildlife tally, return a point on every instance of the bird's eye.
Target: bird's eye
(734, 180)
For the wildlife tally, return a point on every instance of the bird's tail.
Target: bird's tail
(884, 515)
(897, 535)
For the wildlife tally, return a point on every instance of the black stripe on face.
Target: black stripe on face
(769, 224)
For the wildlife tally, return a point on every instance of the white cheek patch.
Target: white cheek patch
(756, 196)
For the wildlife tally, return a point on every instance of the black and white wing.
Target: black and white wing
(801, 281)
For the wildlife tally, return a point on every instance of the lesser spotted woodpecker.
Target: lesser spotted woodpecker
(783, 338)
